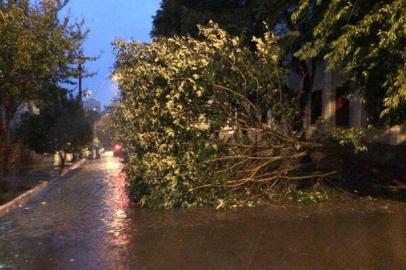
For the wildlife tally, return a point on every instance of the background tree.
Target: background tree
(62, 128)
(37, 52)
(243, 18)
(366, 41)
(103, 131)
(291, 20)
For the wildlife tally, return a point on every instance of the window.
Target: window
(316, 106)
(342, 107)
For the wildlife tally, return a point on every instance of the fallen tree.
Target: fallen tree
(208, 121)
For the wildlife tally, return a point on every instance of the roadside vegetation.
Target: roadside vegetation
(39, 56)
(60, 128)
(207, 118)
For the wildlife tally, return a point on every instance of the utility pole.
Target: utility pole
(80, 69)
(82, 73)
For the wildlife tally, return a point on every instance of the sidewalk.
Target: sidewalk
(27, 177)
(34, 172)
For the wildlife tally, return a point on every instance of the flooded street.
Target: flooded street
(85, 221)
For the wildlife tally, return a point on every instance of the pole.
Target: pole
(80, 82)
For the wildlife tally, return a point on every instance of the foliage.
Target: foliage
(181, 17)
(206, 121)
(103, 129)
(37, 52)
(366, 40)
(317, 194)
(329, 134)
(361, 39)
(63, 127)
(255, 18)
(37, 49)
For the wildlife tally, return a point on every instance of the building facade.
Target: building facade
(330, 100)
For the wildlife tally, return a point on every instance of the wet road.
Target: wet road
(85, 221)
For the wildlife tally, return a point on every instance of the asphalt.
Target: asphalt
(86, 221)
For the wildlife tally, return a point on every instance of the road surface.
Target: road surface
(86, 221)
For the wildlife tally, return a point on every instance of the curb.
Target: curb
(72, 167)
(24, 198)
(21, 200)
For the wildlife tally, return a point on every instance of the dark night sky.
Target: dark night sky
(107, 20)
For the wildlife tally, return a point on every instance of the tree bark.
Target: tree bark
(307, 72)
(4, 130)
(7, 111)
(2, 165)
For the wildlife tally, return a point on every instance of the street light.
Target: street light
(82, 73)
(87, 93)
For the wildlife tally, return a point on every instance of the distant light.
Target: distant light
(117, 147)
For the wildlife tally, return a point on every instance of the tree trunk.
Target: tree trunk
(304, 96)
(308, 72)
(2, 158)
(7, 110)
(4, 130)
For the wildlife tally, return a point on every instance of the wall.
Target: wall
(328, 81)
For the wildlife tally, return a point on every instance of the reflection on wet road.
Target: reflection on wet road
(85, 221)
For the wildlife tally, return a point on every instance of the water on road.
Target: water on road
(86, 221)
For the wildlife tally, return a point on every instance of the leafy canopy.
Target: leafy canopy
(36, 50)
(242, 18)
(62, 126)
(366, 40)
